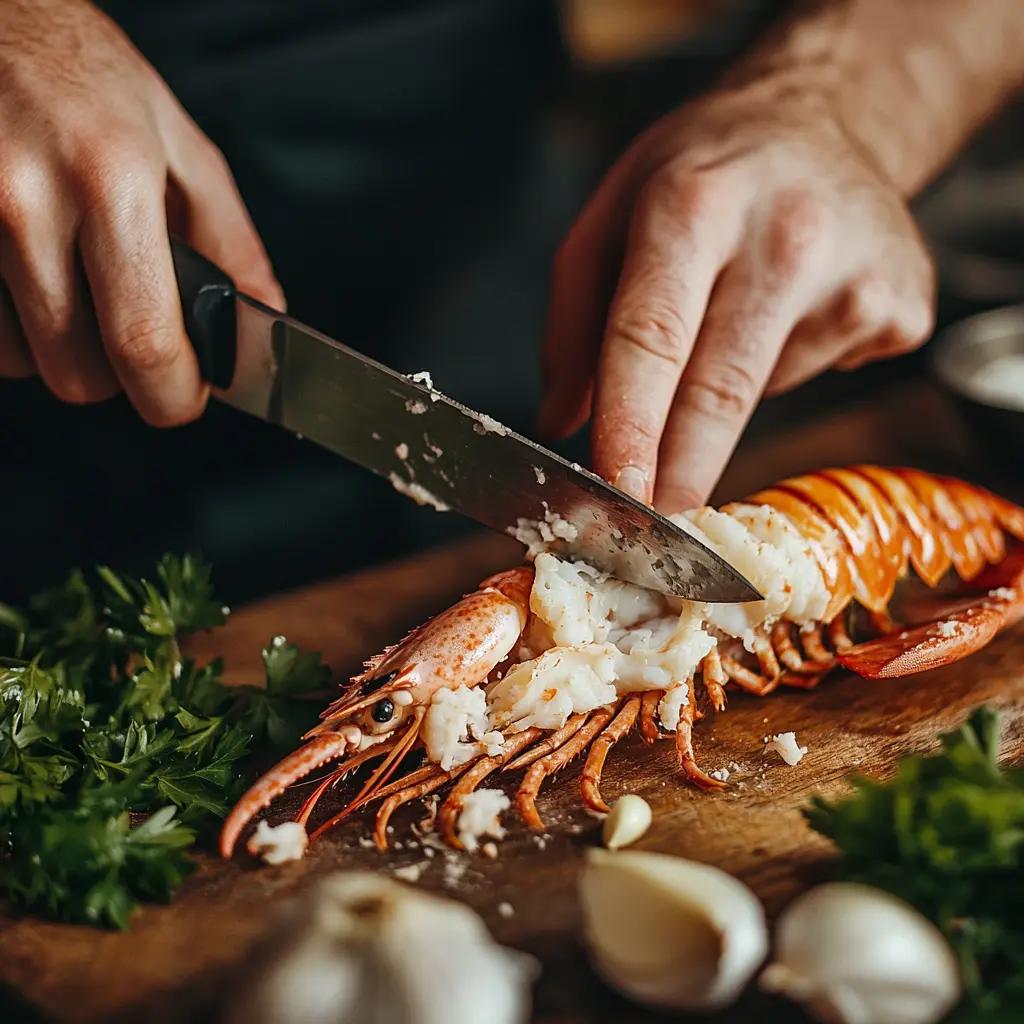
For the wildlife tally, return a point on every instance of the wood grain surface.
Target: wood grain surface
(178, 961)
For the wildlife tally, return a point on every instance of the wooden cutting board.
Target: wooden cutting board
(176, 961)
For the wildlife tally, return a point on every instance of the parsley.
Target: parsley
(103, 722)
(946, 834)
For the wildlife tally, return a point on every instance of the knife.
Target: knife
(431, 448)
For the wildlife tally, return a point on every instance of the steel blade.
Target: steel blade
(440, 453)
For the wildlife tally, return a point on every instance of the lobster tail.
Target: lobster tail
(877, 522)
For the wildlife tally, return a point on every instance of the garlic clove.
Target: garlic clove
(278, 844)
(854, 954)
(359, 947)
(787, 748)
(629, 818)
(669, 932)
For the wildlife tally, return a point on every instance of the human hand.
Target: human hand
(97, 163)
(748, 244)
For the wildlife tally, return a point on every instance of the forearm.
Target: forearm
(910, 80)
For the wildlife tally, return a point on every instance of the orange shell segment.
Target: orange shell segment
(833, 559)
(873, 582)
(927, 555)
(891, 531)
(981, 516)
(1010, 516)
(955, 533)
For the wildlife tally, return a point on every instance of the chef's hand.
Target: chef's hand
(746, 244)
(97, 162)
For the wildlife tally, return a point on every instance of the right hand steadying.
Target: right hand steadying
(97, 161)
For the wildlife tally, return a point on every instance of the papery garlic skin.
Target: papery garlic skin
(854, 954)
(360, 948)
(669, 932)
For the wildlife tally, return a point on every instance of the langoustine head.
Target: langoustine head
(382, 711)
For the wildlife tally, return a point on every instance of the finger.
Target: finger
(885, 344)
(52, 304)
(868, 321)
(806, 356)
(15, 357)
(821, 340)
(680, 239)
(583, 278)
(217, 223)
(127, 258)
(743, 333)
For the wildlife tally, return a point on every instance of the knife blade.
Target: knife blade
(433, 449)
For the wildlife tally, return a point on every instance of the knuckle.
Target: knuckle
(657, 331)
(724, 392)
(870, 305)
(795, 232)
(52, 318)
(24, 193)
(680, 191)
(110, 164)
(620, 428)
(146, 344)
(861, 308)
(900, 338)
(917, 324)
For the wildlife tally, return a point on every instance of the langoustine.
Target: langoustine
(546, 662)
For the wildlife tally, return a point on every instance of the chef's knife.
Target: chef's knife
(431, 448)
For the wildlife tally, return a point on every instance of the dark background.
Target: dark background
(411, 167)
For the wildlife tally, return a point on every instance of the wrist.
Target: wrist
(799, 99)
(908, 83)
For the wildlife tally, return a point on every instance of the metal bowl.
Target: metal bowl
(964, 350)
(974, 224)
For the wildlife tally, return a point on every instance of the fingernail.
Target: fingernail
(633, 481)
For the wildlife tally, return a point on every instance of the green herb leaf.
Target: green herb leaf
(83, 862)
(291, 672)
(100, 715)
(190, 597)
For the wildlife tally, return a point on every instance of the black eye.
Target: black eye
(383, 710)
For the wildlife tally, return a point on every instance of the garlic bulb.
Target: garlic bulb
(629, 818)
(853, 954)
(669, 932)
(363, 949)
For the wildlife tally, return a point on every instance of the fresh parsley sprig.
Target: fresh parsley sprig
(946, 834)
(103, 721)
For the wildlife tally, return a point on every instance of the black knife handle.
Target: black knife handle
(208, 305)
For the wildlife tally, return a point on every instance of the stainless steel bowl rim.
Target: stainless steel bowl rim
(977, 331)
